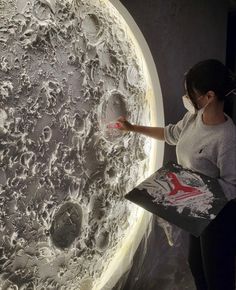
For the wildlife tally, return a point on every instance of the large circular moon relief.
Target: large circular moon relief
(69, 69)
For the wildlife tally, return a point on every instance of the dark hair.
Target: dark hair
(210, 75)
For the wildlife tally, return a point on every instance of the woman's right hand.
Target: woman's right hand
(124, 124)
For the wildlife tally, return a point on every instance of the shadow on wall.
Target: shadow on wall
(163, 267)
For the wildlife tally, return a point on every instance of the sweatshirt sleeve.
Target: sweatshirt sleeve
(172, 131)
(227, 167)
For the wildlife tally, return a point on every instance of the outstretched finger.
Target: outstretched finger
(121, 119)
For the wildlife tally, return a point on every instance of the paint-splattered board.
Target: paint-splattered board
(185, 198)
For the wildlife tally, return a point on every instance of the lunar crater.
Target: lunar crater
(66, 225)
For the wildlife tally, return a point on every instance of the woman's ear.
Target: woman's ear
(211, 95)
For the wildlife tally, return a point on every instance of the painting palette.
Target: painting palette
(188, 199)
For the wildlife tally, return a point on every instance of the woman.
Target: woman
(205, 142)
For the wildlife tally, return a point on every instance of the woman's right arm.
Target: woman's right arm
(153, 132)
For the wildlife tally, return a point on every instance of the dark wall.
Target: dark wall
(231, 41)
(179, 34)
(230, 105)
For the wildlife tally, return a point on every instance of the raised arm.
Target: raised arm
(153, 132)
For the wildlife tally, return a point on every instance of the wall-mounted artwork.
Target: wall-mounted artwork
(68, 69)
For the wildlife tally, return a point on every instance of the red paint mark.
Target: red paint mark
(188, 191)
(114, 126)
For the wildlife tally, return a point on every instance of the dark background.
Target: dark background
(179, 34)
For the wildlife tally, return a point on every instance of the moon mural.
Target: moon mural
(67, 70)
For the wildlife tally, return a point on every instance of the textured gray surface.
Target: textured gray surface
(67, 69)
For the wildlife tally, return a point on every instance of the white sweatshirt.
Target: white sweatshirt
(208, 149)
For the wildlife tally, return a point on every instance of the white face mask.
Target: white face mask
(189, 105)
